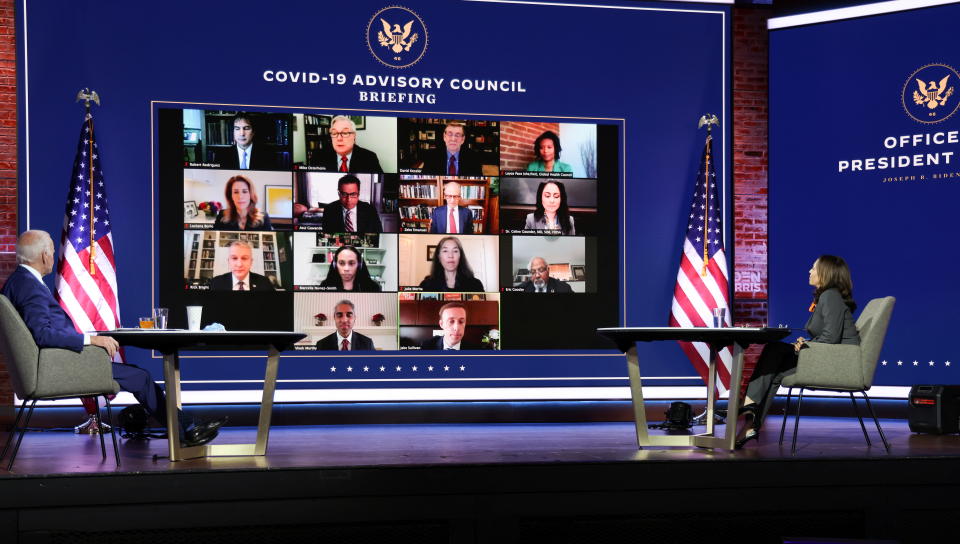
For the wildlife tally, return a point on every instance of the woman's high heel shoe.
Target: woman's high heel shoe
(751, 434)
(751, 415)
(751, 427)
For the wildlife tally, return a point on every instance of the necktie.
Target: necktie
(343, 163)
(348, 221)
(452, 170)
(451, 222)
(243, 161)
(240, 286)
(345, 345)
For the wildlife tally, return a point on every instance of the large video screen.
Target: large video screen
(416, 233)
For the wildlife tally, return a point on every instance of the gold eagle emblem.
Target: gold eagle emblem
(395, 38)
(932, 94)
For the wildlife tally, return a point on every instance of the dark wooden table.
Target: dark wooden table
(171, 342)
(626, 339)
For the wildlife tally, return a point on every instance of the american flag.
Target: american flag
(702, 279)
(87, 280)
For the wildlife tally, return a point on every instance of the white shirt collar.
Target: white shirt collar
(35, 272)
(455, 346)
(348, 338)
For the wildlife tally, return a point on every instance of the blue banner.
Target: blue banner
(864, 164)
(646, 70)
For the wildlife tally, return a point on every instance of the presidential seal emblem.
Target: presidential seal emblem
(397, 37)
(928, 94)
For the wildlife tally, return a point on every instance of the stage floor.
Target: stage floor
(52, 452)
(477, 483)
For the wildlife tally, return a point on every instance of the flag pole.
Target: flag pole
(88, 96)
(708, 119)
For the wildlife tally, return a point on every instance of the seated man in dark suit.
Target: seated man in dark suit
(345, 339)
(350, 214)
(51, 327)
(240, 278)
(345, 155)
(241, 155)
(453, 321)
(462, 217)
(453, 159)
(540, 280)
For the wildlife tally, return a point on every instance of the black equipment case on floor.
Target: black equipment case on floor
(934, 409)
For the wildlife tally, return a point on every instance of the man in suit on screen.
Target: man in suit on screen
(452, 218)
(453, 159)
(240, 278)
(345, 339)
(345, 155)
(350, 214)
(51, 327)
(453, 321)
(241, 155)
(540, 280)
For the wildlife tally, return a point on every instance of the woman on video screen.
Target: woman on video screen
(449, 270)
(547, 150)
(552, 212)
(241, 212)
(348, 272)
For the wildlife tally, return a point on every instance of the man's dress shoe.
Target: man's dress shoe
(202, 433)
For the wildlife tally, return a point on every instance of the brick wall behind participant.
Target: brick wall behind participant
(8, 163)
(516, 143)
(750, 48)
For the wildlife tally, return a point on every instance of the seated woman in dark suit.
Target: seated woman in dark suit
(348, 272)
(449, 270)
(552, 212)
(830, 323)
(241, 212)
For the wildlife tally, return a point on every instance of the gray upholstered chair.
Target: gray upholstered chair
(49, 373)
(843, 368)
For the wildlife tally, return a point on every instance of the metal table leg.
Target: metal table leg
(171, 381)
(223, 450)
(733, 399)
(705, 440)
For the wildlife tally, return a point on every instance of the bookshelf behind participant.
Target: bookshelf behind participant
(212, 257)
(316, 252)
(423, 203)
(347, 144)
(449, 147)
(236, 140)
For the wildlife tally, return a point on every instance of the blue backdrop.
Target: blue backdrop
(651, 68)
(847, 91)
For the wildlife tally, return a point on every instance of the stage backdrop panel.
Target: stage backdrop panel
(647, 71)
(865, 164)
